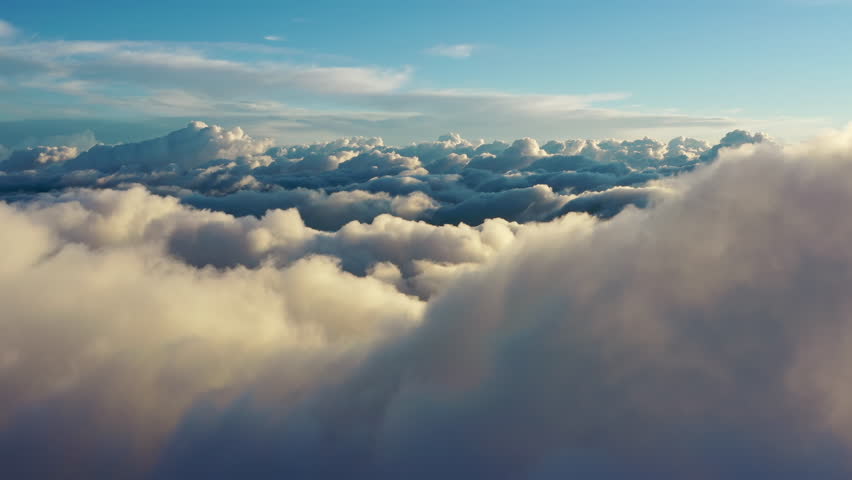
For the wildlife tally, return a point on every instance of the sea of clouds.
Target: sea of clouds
(209, 305)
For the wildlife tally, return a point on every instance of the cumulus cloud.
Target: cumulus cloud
(206, 304)
(461, 50)
(164, 309)
(190, 147)
(451, 180)
(135, 218)
(32, 158)
(659, 344)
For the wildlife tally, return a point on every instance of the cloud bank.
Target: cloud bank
(448, 181)
(206, 304)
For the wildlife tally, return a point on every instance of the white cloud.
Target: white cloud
(660, 343)
(350, 80)
(186, 148)
(451, 180)
(161, 306)
(325, 97)
(192, 68)
(274, 38)
(462, 50)
(7, 30)
(36, 157)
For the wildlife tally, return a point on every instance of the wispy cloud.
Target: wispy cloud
(274, 38)
(462, 50)
(261, 85)
(196, 68)
(6, 29)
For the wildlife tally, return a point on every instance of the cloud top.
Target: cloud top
(448, 181)
(446, 309)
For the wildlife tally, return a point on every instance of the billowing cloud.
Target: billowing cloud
(37, 157)
(135, 218)
(200, 305)
(157, 322)
(190, 147)
(451, 180)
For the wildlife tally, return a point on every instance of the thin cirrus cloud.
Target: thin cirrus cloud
(218, 70)
(267, 87)
(274, 38)
(155, 65)
(251, 85)
(461, 50)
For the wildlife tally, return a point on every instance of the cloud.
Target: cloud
(358, 179)
(187, 148)
(7, 30)
(158, 300)
(462, 50)
(274, 38)
(703, 334)
(451, 180)
(33, 158)
(283, 91)
(135, 218)
(102, 65)
(483, 113)
(660, 343)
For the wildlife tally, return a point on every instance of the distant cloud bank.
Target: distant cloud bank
(208, 304)
(451, 180)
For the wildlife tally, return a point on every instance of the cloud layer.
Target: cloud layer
(206, 304)
(448, 181)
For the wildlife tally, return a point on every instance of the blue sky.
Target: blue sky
(302, 71)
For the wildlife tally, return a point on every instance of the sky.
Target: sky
(305, 71)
